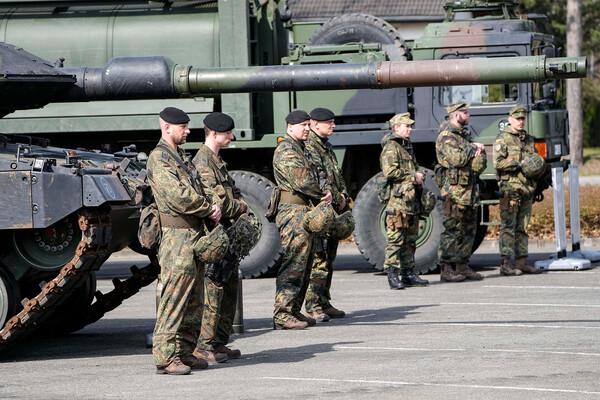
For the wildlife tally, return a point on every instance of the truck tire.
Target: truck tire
(266, 254)
(9, 296)
(370, 228)
(365, 28)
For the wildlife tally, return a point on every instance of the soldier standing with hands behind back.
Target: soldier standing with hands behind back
(460, 161)
(513, 150)
(400, 168)
(183, 207)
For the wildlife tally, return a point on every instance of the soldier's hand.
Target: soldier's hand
(419, 178)
(479, 148)
(327, 198)
(343, 202)
(215, 214)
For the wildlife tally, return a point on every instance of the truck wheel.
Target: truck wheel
(365, 28)
(9, 296)
(370, 228)
(266, 254)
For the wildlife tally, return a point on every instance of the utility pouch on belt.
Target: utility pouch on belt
(452, 176)
(383, 189)
(464, 178)
(149, 229)
(273, 204)
(438, 172)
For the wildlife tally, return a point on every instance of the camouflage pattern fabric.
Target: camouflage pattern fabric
(294, 172)
(212, 247)
(460, 190)
(319, 219)
(460, 225)
(318, 293)
(399, 166)
(179, 313)
(220, 301)
(515, 215)
(517, 191)
(221, 285)
(455, 155)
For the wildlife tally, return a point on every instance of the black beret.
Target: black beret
(297, 117)
(217, 121)
(322, 114)
(174, 115)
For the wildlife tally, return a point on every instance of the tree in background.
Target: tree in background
(557, 25)
(574, 100)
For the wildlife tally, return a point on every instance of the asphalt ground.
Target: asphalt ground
(527, 337)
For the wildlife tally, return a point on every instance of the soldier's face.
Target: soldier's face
(323, 128)
(222, 139)
(178, 133)
(299, 131)
(403, 130)
(463, 117)
(517, 123)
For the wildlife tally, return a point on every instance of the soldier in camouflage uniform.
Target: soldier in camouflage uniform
(512, 146)
(183, 207)
(460, 161)
(221, 279)
(299, 185)
(400, 168)
(318, 296)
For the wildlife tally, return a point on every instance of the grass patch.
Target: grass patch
(591, 161)
(542, 218)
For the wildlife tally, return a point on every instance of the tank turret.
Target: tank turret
(64, 212)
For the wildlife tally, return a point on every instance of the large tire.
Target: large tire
(370, 228)
(365, 28)
(9, 296)
(266, 254)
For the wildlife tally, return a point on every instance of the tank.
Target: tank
(64, 211)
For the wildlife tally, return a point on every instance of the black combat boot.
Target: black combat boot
(394, 279)
(412, 279)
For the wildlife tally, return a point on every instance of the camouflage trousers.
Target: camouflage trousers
(292, 276)
(179, 311)
(458, 237)
(402, 231)
(515, 214)
(220, 301)
(318, 293)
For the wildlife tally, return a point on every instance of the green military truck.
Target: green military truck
(211, 33)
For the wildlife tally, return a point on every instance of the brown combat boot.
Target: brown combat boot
(301, 317)
(334, 312)
(521, 264)
(319, 316)
(447, 274)
(212, 357)
(175, 367)
(508, 269)
(193, 362)
(290, 323)
(468, 273)
(231, 353)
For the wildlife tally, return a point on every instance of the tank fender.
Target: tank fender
(100, 189)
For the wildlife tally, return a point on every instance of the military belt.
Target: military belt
(291, 198)
(181, 222)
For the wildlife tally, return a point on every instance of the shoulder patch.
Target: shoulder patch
(164, 156)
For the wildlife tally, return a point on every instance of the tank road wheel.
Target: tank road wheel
(266, 254)
(370, 228)
(365, 28)
(9, 296)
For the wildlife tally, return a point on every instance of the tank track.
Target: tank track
(91, 252)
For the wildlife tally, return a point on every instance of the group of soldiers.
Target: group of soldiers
(206, 227)
(460, 161)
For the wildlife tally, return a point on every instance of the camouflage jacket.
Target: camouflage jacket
(509, 150)
(455, 155)
(325, 162)
(294, 171)
(177, 191)
(214, 175)
(399, 165)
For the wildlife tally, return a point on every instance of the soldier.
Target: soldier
(183, 207)
(318, 296)
(460, 161)
(299, 187)
(221, 279)
(513, 148)
(400, 168)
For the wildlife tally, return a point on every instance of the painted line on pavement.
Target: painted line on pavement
(570, 353)
(482, 325)
(522, 304)
(446, 385)
(543, 287)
